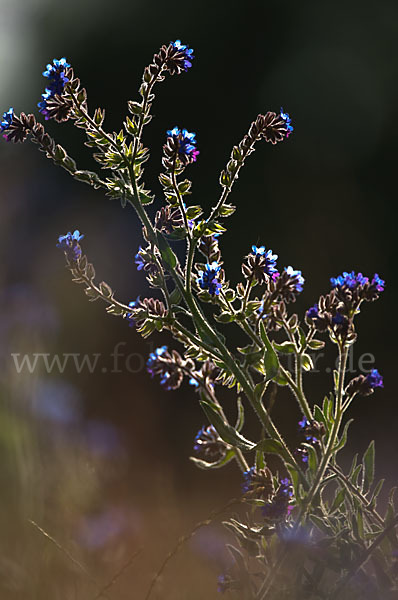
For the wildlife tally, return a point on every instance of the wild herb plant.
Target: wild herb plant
(314, 531)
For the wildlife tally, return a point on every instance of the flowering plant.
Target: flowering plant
(314, 531)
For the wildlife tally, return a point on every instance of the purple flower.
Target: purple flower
(269, 258)
(69, 243)
(6, 122)
(374, 379)
(297, 275)
(378, 283)
(313, 312)
(188, 53)
(186, 143)
(130, 316)
(153, 359)
(57, 79)
(207, 279)
(139, 261)
(287, 119)
(349, 280)
(248, 479)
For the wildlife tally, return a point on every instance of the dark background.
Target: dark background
(324, 201)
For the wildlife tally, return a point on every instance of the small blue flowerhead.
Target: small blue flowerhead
(378, 283)
(374, 379)
(350, 280)
(133, 304)
(188, 53)
(153, 357)
(313, 312)
(69, 243)
(339, 319)
(139, 261)
(207, 279)
(186, 143)
(303, 423)
(287, 119)
(248, 479)
(7, 120)
(269, 259)
(56, 75)
(297, 275)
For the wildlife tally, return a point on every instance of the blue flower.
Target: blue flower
(296, 274)
(7, 120)
(248, 479)
(338, 319)
(139, 261)
(186, 143)
(130, 317)
(313, 312)
(69, 243)
(304, 423)
(207, 279)
(350, 280)
(374, 379)
(279, 507)
(287, 119)
(188, 53)
(269, 259)
(55, 73)
(378, 283)
(153, 359)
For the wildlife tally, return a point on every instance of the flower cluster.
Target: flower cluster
(285, 116)
(56, 75)
(170, 366)
(186, 51)
(258, 483)
(208, 279)
(209, 445)
(180, 147)
(6, 122)
(355, 287)
(261, 264)
(365, 384)
(130, 316)
(69, 243)
(312, 430)
(279, 507)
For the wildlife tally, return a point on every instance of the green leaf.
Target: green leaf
(224, 429)
(193, 211)
(224, 317)
(285, 347)
(280, 379)
(343, 440)
(312, 457)
(240, 420)
(203, 464)
(322, 526)
(303, 339)
(316, 344)
(134, 107)
(306, 362)
(368, 467)
(260, 460)
(271, 362)
(166, 252)
(175, 296)
(270, 446)
(338, 499)
(226, 210)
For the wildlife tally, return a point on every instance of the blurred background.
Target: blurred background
(100, 460)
